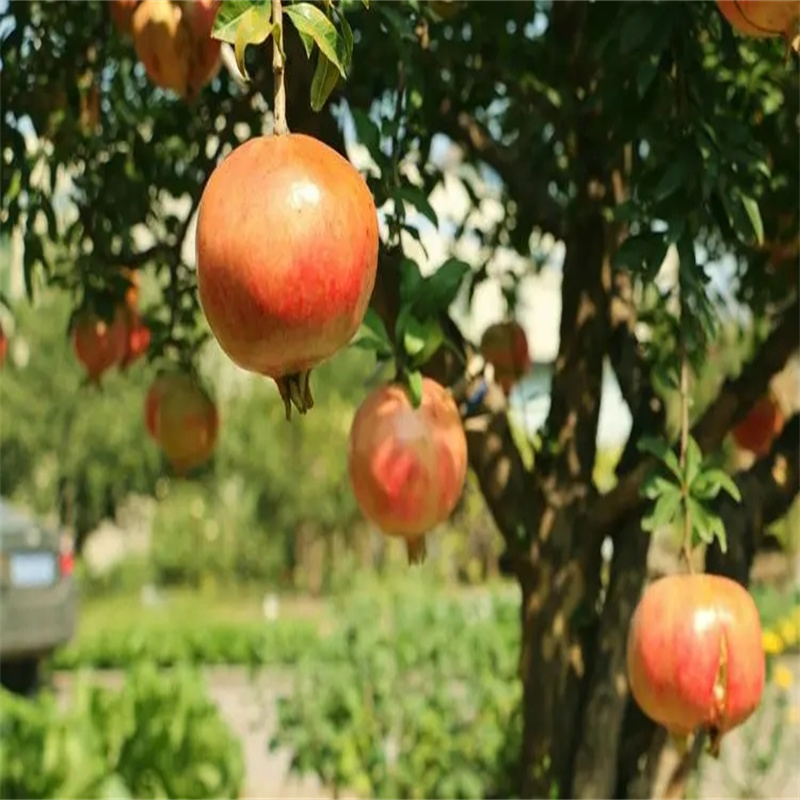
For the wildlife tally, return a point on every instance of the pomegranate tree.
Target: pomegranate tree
(287, 248)
(407, 465)
(758, 429)
(186, 422)
(504, 345)
(764, 18)
(694, 654)
(99, 345)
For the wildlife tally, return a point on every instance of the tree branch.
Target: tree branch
(732, 404)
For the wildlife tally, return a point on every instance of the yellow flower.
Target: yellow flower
(790, 632)
(772, 643)
(782, 677)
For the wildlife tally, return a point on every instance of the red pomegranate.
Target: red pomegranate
(160, 386)
(137, 338)
(186, 423)
(758, 429)
(763, 18)
(99, 345)
(694, 654)
(504, 345)
(206, 52)
(407, 466)
(287, 248)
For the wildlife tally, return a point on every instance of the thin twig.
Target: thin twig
(684, 391)
(279, 125)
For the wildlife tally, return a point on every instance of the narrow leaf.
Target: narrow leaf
(309, 20)
(229, 15)
(326, 76)
(754, 215)
(414, 382)
(254, 27)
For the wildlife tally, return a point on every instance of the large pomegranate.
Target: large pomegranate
(160, 386)
(99, 345)
(287, 248)
(122, 13)
(505, 346)
(162, 44)
(763, 18)
(694, 654)
(407, 466)
(758, 429)
(186, 423)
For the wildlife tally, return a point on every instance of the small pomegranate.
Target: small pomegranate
(161, 385)
(121, 14)
(162, 44)
(764, 18)
(99, 345)
(504, 345)
(694, 654)
(287, 248)
(758, 429)
(138, 338)
(407, 466)
(186, 423)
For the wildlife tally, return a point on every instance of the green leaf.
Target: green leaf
(694, 461)
(415, 197)
(368, 134)
(441, 288)
(707, 485)
(642, 254)
(706, 525)
(411, 282)
(635, 29)
(326, 76)
(662, 451)
(665, 510)
(229, 15)
(414, 383)
(309, 20)
(253, 27)
(754, 214)
(421, 339)
(372, 335)
(655, 485)
(674, 177)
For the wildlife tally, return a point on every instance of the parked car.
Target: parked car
(38, 596)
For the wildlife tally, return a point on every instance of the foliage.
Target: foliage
(412, 695)
(243, 644)
(160, 736)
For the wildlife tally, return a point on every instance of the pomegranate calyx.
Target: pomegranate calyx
(295, 390)
(416, 550)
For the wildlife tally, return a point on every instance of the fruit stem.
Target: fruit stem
(295, 390)
(416, 550)
(279, 126)
(687, 516)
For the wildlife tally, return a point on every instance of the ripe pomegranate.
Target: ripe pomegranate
(407, 466)
(504, 345)
(763, 18)
(162, 44)
(186, 423)
(137, 337)
(98, 344)
(694, 654)
(758, 429)
(121, 14)
(287, 248)
(205, 56)
(161, 385)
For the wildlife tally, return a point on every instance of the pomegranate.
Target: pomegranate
(407, 466)
(205, 58)
(694, 654)
(763, 18)
(758, 429)
(99, 345)
(162, 44)
(161, 385)
(504, 345)
(122, 13)
(138, 337)
(186, 423)
(287, 248)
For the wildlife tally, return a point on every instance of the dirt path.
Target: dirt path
(250, 709)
